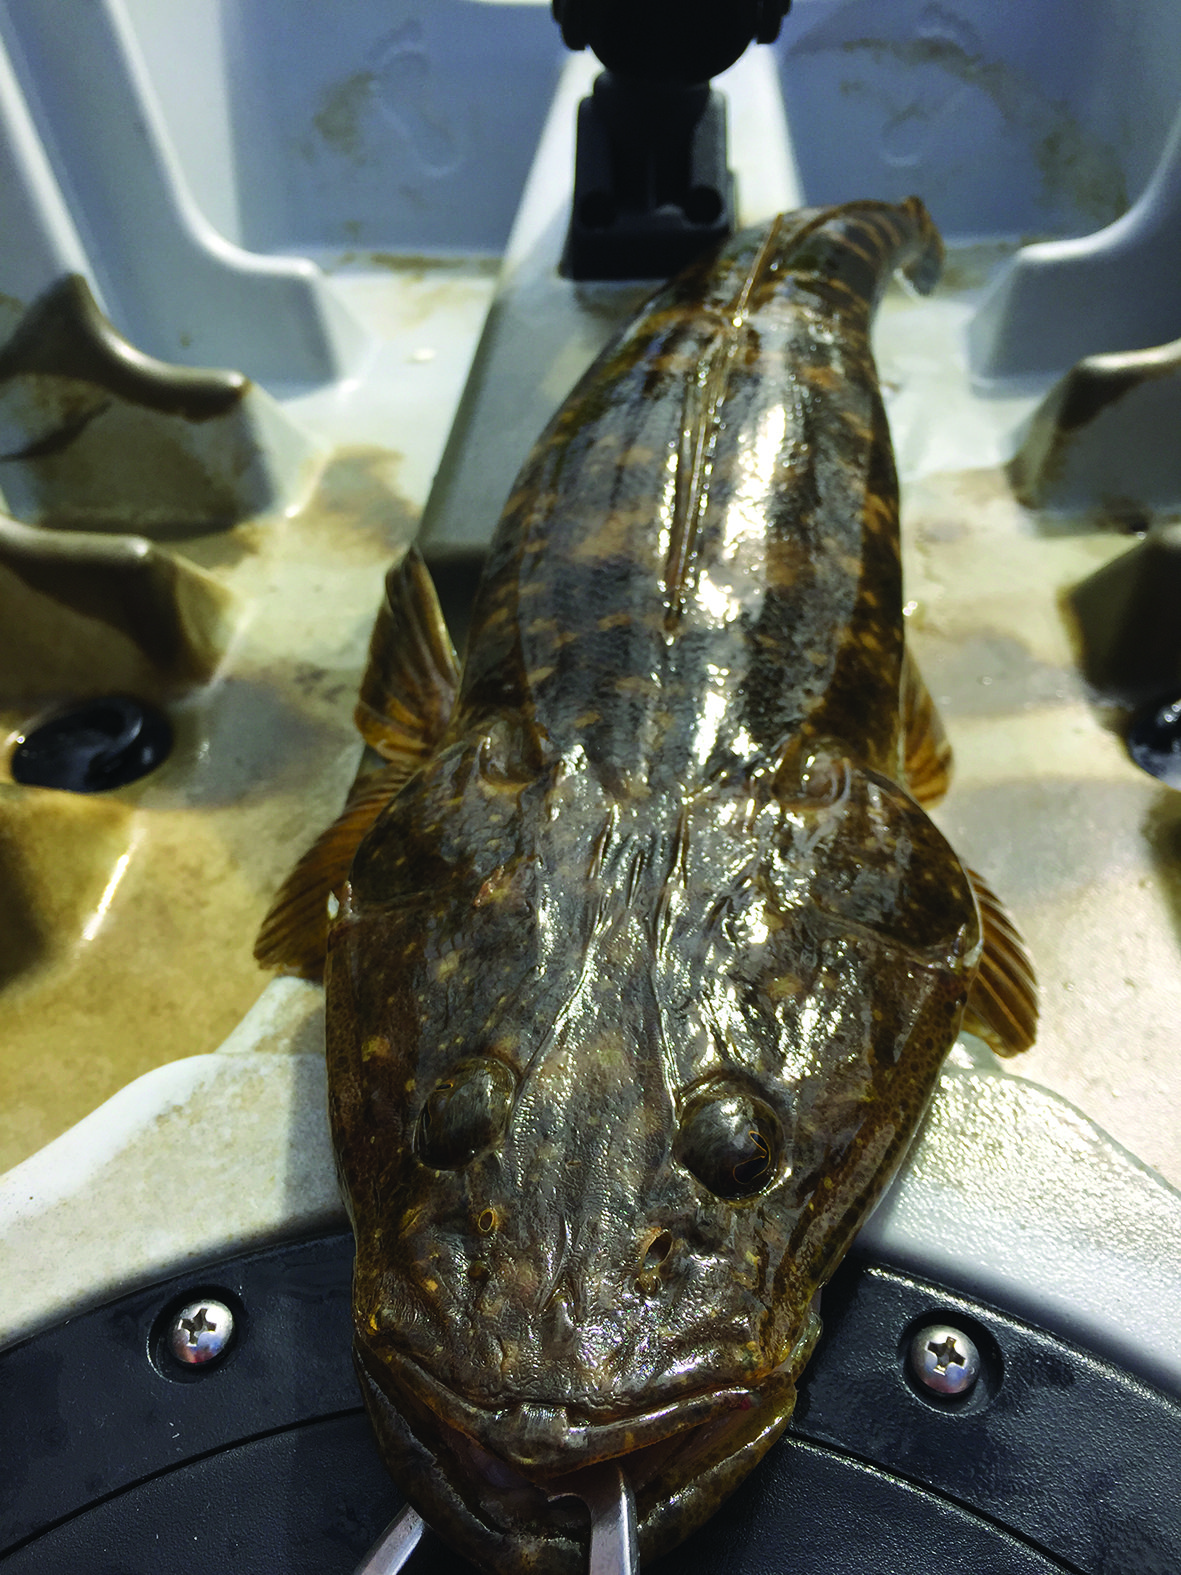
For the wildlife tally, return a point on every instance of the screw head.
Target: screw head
(944, 1360)
(200, 1332)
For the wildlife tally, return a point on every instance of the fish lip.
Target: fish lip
(540, 1440)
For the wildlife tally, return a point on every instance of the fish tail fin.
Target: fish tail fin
(890, 238)
(922, 262)
(1002, 1004)
(845, 256)
(407, 695)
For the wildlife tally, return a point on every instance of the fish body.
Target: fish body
(647, 962)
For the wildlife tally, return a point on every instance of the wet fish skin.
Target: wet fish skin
(642, 981)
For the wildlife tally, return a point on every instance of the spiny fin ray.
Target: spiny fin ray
(407, 696)
(1002, 1003)
(410, 683)
(294, 934)
(927, 751)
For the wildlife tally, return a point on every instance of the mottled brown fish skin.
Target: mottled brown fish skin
(658, 894)
(762, 452)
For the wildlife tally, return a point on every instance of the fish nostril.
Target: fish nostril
(658, 1250)
(652, 1257)
(487, 1222)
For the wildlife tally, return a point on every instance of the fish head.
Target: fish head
(612, 1084)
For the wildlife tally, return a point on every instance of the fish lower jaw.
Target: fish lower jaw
(498, 1497)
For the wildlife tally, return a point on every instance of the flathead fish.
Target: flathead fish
(646, 955)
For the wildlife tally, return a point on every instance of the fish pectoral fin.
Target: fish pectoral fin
(294, 934)
(411, 681)
(407, 695)
(1002, 1003)
(928, 753)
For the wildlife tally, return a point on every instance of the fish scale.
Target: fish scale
(647, 955)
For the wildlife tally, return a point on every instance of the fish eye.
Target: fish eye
(731, 1142)
(465, 1113)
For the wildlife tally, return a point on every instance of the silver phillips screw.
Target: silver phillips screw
(944, 1360)
(201, 1332)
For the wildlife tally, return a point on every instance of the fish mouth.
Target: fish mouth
(546, 1440)
(491, 1482)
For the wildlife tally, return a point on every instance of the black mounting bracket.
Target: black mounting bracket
(651, 184)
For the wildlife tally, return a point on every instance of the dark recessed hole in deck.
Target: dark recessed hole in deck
(93, 746)
(1154, 740)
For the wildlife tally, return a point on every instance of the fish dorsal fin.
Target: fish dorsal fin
(1002, 1003)
(406, 699)
(410, 683)
(927, 751)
